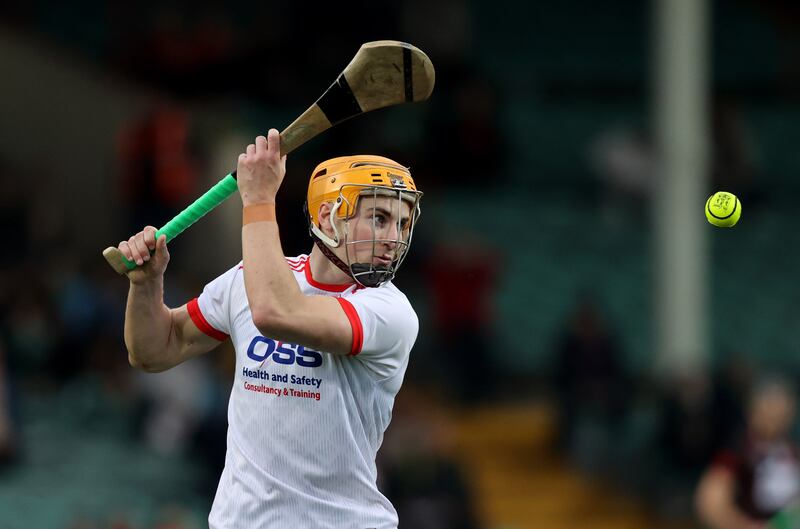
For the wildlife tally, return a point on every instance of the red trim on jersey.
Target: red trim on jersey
(296, 264)
(202, 323)
(323, 286)
(355, 323)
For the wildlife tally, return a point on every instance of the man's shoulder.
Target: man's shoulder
(390, 289)
(296, 263)
(387, 294)
(387, 291)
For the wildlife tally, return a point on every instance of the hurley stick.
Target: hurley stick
(383, 73)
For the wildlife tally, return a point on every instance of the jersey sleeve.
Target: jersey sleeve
(385, 328)
(210, 310)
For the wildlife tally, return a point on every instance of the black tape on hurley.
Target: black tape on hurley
(338, 102)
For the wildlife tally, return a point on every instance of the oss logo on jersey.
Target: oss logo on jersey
(261, 348)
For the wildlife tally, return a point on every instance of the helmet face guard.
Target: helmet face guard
(377, 202)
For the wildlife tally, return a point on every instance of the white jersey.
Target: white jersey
(304, 426)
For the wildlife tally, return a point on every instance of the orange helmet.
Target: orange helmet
(344, 181)
(361, 171)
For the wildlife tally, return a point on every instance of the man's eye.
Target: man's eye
(378, 219)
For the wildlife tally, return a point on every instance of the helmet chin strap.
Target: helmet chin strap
(367, 276)
(327, 252)
(371, 276)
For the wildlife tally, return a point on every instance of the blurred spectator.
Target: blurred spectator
(173, 414)
(699, 414)
(462, 278)
(83, 309)
(30, 326)
(759, 473)
(625, 158)
(734, 153)
(591, 385)
(785, 19)
(690, 431)
(417, 473)
(188, 51)
(158, 170)
(470, 148)
(732, 383)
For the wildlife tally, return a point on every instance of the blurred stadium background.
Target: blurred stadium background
(545, 389)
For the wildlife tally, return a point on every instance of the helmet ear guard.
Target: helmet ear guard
(334, 242)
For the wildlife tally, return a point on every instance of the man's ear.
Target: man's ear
(324, 216)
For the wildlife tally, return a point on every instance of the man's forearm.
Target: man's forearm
(148, 325)
(716, 505)
(733, 519)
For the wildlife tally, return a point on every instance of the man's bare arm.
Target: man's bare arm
(280, 310)
(157, 337)
(715, 502)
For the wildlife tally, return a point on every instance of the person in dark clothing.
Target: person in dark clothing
(759, 474)
(590, 382)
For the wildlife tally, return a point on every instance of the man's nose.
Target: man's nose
(391, 235)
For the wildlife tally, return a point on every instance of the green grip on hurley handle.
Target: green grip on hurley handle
(210, 200)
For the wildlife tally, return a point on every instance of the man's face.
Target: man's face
(384, 220)
(772, 413)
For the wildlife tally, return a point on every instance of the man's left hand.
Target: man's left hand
(261, 169)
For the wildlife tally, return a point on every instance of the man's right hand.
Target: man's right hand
(137, 249)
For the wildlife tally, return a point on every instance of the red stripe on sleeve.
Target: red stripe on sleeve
(355, 323)
(202, 323)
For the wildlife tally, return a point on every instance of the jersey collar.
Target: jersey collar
(323, 286)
